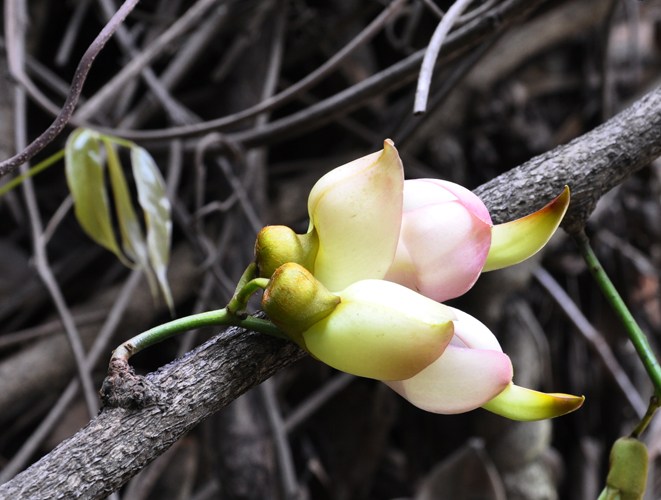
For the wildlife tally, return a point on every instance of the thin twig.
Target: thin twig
(317, 400)
(22, 336)
(594, 338)
(283, 97)
(56, 219)
(283, 450)
(70, 34)
(191, 18)
(21, 458)
(431, 54)
(76, 86)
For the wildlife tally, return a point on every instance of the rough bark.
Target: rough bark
(120, 441)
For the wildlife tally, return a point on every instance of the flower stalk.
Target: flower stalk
(636, 335)
(232, 315)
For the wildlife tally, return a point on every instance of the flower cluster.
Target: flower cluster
(362, 290)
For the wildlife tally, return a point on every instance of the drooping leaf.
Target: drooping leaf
(156, 207)
(84, 172)
(133, 239)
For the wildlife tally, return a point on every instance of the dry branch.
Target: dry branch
(120, 441)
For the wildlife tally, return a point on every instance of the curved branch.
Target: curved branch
(74, 92)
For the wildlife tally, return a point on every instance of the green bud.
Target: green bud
(628, 469)
(295, 300)
(278, 245)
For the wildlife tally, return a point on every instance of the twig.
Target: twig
(20, 337)
(638, 338)
(285, 460)
(98, 349)
(594, 338)
(76, 86)
(192, 17)
(317, 400)
(70, 34)
(431, 54)
(56, 219)
(41, 258)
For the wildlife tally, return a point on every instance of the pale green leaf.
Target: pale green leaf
(84, 172)
(156, 207)
(133, 240)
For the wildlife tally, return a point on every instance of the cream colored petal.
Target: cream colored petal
(356, 210)
(515, 241)
(381, 330)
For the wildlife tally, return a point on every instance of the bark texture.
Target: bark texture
(120, 441)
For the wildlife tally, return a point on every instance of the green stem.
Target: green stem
(245, 289)
(644, 422)
(636, 335)
(33, 171)
(221, 317)
(250, 288)
(117, 140)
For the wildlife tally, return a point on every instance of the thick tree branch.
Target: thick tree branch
(120, 441)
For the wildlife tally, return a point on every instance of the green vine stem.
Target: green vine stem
(33, 171)
(633, 330)
(232, 315)
(644, 422)
(221, 317)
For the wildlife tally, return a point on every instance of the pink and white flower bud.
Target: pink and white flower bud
(444, 239)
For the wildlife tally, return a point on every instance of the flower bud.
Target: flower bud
(444, 239)
(627, 473)
(294, 300)
(278, 245)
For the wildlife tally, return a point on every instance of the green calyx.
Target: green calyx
(278, 245)
(294, 300)
(628, 469)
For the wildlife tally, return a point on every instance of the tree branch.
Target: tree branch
(590, 165)
(119, 442)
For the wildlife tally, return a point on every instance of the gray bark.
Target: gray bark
(121, 440)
